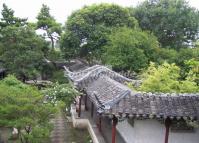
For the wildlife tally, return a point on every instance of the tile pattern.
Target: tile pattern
(158, 105)
(107, 90)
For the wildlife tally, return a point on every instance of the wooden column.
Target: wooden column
(80, 102)
(167, 126)
(92, 109)
(100, 123)
(114, 123)
(86, 108)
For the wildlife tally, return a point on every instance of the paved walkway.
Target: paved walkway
(64, 132)
(59, 133)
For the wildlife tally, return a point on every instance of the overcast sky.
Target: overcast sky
(61, 9)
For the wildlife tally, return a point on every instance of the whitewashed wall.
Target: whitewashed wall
(152, 131)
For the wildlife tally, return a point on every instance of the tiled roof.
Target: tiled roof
(107, 91)
(77, 65)
(148, 105)
(84, 77)
(77, 76)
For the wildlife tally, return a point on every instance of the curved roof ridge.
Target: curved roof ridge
(79, 73)
(87, 69)
(94, 72)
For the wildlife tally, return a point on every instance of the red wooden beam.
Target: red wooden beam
(100, 123)
(80, 102)
(92, 108)
(167, 126)
(115, 120)
(86, 108)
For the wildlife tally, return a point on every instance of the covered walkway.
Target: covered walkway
(109, 97)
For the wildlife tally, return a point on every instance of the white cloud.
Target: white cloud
(61, 9)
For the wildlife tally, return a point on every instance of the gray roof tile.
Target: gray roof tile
(107, 90)
(159, 106)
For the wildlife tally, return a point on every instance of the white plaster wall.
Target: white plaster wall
(126, 131)
(148, 131)
(184, 137)
(152, 131)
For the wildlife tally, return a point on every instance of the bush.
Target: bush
(166, 78)
(22, 107)
(61, 92)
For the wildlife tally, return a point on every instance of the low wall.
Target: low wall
(82, 123)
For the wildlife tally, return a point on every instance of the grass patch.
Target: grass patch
(78, 135)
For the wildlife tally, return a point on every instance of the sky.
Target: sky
(61, 9)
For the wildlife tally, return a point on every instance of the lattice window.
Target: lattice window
(182, 126)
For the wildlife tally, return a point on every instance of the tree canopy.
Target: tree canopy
(21, 51)
(8, 18)
(86, 29)
(23, 107)
(166, 78)
(48, 23)
(174, 22)
(129, 49)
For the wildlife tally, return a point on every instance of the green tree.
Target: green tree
(22, 107)
(174, 22)
(48, 23)
(193, 70)
(21, 51)
(167, 54)
(86, 29)
(129, 49)
(166, 78)
(8, 18)
(185, 54)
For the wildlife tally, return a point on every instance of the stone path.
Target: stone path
(63, 131)
(59, 133)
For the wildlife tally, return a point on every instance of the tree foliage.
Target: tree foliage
(21, 51)
(192, 73)
(174, 22)
(22, 107)
(9, 19)
(185, 54)
(48, 23)
(166, 78)
(179, 58)
(86, 29)
(61, 92)
(129, 49)
(172, 56)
